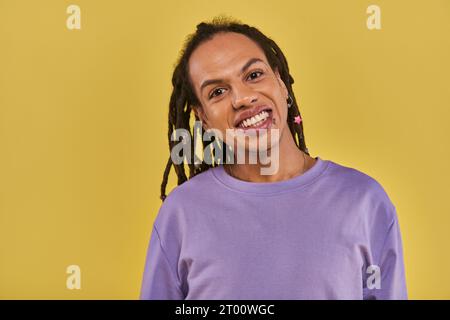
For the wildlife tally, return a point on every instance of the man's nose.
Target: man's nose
(243, 96)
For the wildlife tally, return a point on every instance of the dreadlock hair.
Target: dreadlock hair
(183, 96)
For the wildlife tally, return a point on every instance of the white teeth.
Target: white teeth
(255, 120)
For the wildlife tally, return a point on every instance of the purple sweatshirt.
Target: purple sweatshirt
(330, 233)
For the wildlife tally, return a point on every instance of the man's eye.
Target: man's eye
(255, 72)
(213, 93)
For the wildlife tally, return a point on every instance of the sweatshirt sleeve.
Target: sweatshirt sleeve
(388, 266)
(159, 280)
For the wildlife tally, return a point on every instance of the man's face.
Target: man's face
(244, 87)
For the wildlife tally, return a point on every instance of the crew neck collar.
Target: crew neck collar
(267, 188)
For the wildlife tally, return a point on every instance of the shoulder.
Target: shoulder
(192, 190)
(186, 197)
(355, 179)
(365, 190)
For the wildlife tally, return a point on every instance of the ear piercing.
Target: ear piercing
(289, 103)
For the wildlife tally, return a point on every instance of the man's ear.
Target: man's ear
(200, 115)
(281, 82)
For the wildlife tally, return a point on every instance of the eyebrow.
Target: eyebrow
(243, 69)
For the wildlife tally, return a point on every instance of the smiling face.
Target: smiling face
(236, 87)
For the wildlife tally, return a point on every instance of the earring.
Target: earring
(289, 104)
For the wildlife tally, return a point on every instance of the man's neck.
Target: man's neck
(292, 162)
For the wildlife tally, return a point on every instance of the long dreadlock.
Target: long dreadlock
(183, 95)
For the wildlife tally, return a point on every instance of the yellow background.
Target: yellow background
(83, 125)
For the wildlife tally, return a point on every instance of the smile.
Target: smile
(259, 120)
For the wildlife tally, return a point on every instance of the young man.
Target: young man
(313, 229)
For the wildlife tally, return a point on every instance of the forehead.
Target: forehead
(222, 56)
